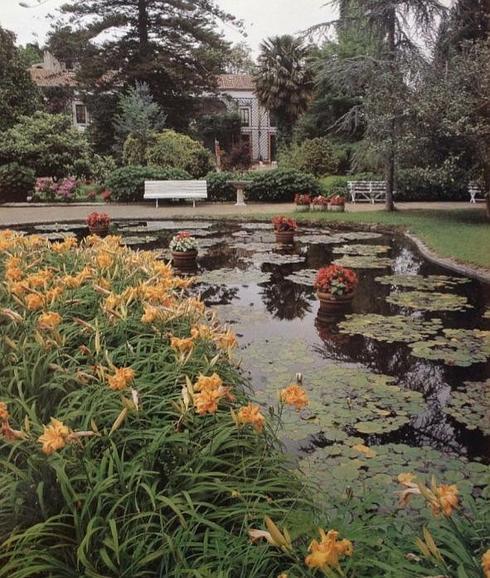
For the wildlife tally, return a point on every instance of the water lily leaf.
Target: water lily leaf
(251, 246)
(361, 249)
(426, 301)
(234, 277)
(429, 283)
(303, 277)
(364, 262)
(393, 328)
(138, 240)
(153, 226)
(461, 347)
(470, 405)
(276, 258)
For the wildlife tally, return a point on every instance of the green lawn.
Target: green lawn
(463, 235)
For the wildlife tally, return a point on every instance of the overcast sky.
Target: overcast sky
(262, 18)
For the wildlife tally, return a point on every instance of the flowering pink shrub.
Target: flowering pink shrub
(66, 188)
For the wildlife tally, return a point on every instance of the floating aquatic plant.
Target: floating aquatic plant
(303, 277)
(364, 262)
(390, 328)
(429, 301)
(361, 249)
(429, 283)
(470, 405)
(235, 276)
(462, 347)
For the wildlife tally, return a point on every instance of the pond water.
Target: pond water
(401, 382)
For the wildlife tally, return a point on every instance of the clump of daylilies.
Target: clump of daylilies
(442, 499)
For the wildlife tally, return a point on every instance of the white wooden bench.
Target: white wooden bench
(162, 190)
(476, 194)
(370, 191)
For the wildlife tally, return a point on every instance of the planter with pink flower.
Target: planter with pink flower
(320, 203)
(335, 286)
(336, 204)
(285, 229)
(184, 250)
(98, 223)
(302, 202)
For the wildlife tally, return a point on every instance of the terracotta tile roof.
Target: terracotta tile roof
(236, 82)
(46, 78)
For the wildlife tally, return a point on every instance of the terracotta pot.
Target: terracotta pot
(100, 230)
(334, 302)
(285, 236)
(184, 259)
(336, 208)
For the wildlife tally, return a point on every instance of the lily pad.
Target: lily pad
(153, 226)
(303, 277)
(375, 475)
(364, 262)
(361, 249)
(276, 258)
(255, 226)
(429, 283)
(360, 235)
(390, 328)
(470, 405)
(59, 227)
(426, 301)
(461, 347)
(252, 247)
(234, 277)
(57, 236)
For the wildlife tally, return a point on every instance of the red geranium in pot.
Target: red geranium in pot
(320, 203)
(337, 203)
(302, 202)
(98, 223)
(335, 286)
(285, 228)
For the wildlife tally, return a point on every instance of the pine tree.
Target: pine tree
(172, 45)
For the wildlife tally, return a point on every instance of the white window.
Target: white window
(245, 116)
(80, 115)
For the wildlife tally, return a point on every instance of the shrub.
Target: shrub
(238, 158)
(127, 184)
(218, 187)
(337, 184)
(134, 151)
(175, 150)
(47, 143)
(16, 183)
(418, 184)
(280, 185)
(316, 156)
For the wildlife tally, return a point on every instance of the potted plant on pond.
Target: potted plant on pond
(320, 203)
(98, 223)
(302, 202)
(285, 228)
(337, 204)
(335, 286)
(184, 250)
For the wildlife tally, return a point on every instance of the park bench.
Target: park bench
(370, 191)
(168, 190)
(476, 194)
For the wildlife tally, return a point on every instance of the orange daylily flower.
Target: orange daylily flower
(227, 340)
(104, 260)
(182, 346)
(150, 314)
(485, 564)
(295, 396)
(442, 499)
(121, 379)
(54, 437)
(329, 551)
(252, 415)
(34, 302)
(49, 321)
(208, 382)
(4, 414)
(202, 331)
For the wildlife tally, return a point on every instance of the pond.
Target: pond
(401, 382)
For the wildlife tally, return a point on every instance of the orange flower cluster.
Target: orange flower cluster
(251, 415)
(295, 396)
(49, 321)
(55, 436)
(328, 552)
(485, 564)
(182, 346)
(210, 392)
(121, 379)
(442, 499)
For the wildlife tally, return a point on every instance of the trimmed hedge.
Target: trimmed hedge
(218, 187)
(127, 184)
(16, 183)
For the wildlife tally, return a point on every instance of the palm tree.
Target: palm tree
(284, 80)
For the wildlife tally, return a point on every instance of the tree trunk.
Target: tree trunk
(390, 164)
(143, 28)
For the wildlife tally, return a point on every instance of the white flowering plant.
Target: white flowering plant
(183, 242)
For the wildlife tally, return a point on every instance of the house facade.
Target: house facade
(258, 129)
(237, 92)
